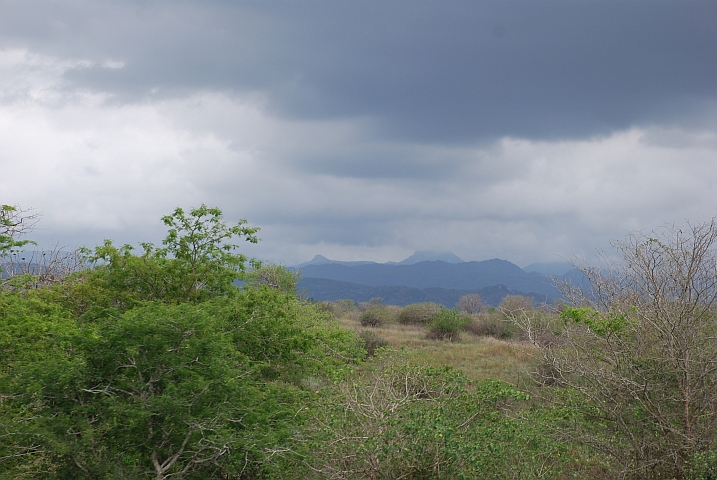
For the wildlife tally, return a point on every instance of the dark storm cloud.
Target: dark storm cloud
(362, 130)
(426, 71)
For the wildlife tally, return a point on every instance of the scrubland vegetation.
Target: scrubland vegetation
(117, 363)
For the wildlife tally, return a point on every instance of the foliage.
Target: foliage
(202, 239)
(157, 366)
(15, 222)
(197, 261)
(33, 337)
(287, 338)
(447, 324)
(273, 276)
(377, 316)
(635, 355)
(345, 306)
(204, 390)
(400, 420)
(703, 466)
(418, 313)
(372, 341)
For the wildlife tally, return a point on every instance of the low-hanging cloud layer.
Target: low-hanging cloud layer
(529, 131)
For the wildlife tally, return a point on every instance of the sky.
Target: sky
(362, 130)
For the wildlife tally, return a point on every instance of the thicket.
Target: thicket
(634, 356)
(149, 362)
(156, 365)
(396, 419)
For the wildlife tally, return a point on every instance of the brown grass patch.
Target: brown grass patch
(478, 357)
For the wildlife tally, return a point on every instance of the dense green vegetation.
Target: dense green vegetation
(153, 363)
(156, 365)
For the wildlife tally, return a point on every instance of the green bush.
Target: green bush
(418, 313)
(375, 317)
(372, 341)
(447, 324)
(397, 419)
(158, 366)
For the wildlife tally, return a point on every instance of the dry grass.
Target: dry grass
(478, 357)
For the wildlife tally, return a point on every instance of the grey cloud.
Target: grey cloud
(427, 71)
(362, 130)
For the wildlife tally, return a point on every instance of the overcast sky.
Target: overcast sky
(362, 130)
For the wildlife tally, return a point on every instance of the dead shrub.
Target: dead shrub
(489, 326)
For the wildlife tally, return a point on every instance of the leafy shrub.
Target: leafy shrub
(486, 325)
(447, 324)
(397, 419)
(372, 341)
(273, 276)
(703, 467)
(154, 357)
(418, 313)
(375, 317)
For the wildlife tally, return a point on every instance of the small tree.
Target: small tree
(273, 276)
(471, 303)
(374, 302)
(15, 222)
(636, 358)
(197, 261)
(515, 303)
(447, 324)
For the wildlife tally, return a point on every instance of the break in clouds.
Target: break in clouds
(520, 130)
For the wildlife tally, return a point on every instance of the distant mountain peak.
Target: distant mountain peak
(551, 268)
(428, 256)
(321, 260)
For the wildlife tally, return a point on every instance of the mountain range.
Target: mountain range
(425, 276)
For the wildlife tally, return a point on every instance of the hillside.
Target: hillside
(465, 276)
(321, 289)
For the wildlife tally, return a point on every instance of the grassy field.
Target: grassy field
(478, 357)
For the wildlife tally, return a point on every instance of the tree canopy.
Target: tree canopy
(157, 364)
